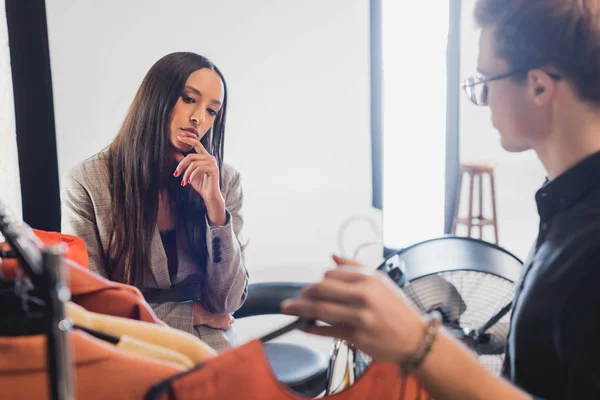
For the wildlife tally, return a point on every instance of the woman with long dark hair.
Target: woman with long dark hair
(158, 209)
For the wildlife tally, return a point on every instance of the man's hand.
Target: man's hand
(368, 311)
(341, 262)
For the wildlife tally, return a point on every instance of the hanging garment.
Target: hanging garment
(170, 338)
(96, 293)
(130, 345)
(133, 346)
(76, 250)
(100, 370)
(244, 373)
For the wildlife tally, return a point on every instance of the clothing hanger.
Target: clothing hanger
(97, 334)
(298, 323)
(157, 391)
(45, 269)
(24, 245)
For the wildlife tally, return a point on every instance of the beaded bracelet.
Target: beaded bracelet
(434, 320)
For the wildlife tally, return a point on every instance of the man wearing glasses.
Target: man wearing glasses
(539, 65)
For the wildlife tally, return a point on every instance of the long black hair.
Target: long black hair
(141, 166)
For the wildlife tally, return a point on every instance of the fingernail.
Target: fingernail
(176, 174)
(190, 180)
(182, 183)
(178, 137)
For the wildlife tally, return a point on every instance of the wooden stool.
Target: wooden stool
(478, 220)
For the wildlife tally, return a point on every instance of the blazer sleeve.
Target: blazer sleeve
(226, 283)
(79, 219)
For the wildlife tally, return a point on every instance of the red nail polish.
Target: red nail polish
(176, 174)
(182, 183)
(189, 180)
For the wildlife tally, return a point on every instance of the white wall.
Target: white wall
(298, 123)
(10, 187)
(518, 176)
(414, 122)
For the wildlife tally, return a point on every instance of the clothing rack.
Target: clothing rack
(45, 268)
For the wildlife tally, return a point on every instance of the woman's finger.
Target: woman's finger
(196, 169)
(219, 321)
(197, 174)
(187, 174)
(187, 160)
(191, 166)
(195, 143)
(208, 168)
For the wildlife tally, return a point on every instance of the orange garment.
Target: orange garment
(97, 294)
(76, 250)
(244, 373)
(100, 370)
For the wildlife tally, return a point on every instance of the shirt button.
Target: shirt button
(544, 194)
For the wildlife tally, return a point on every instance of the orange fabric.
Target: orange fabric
(244, 373)
(100, 370)
(76, 249)
(118, 303)
(97, 294)
(8, 268)
(88, 289)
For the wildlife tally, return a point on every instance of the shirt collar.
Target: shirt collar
(568, 188)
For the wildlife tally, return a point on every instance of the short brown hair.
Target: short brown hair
(564, 34)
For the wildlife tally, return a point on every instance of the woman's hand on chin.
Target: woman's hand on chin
(201, 171)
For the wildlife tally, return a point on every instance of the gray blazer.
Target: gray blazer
(86, 213)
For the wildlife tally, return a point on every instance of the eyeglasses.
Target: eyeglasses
(477, 90)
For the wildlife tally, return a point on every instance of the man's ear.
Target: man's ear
(541, 87)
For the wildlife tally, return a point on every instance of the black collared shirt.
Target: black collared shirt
(554, 342)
